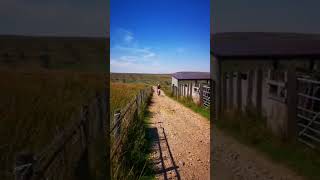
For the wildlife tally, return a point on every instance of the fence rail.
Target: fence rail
(122, 122)
(58, 159)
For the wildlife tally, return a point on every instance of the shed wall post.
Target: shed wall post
(259, 91)
(223, 91)
(249, 94)
(187, 92)
(190, 89)
(231, 100)
(239, 91)
(291, 123)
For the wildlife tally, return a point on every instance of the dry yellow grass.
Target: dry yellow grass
(122, 94)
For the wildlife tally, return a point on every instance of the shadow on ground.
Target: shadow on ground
(158, 140)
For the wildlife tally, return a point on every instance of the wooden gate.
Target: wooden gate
(308, 111)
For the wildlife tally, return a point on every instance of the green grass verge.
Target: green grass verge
(137, 147)
(251, 130)
(188, 102)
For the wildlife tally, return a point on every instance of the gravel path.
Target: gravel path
(182, 146)
(182, 140)
(235, 161)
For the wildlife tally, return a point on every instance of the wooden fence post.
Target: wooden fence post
(201, 94)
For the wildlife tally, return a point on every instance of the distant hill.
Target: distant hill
(75, 53)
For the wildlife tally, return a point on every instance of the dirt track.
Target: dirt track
(184, 139)
(181, 148)
(235, 161)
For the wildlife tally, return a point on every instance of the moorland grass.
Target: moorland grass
(149, 79)
(122, 93)
(35, 104)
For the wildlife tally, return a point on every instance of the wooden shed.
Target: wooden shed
(191, 84)
(269, 73)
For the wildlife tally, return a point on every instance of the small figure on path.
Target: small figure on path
(158, 89)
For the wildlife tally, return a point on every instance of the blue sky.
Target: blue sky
(153, 36)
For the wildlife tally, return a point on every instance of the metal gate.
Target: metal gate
(308, 111)
(206, 96)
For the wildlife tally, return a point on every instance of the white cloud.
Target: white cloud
(119, 63)
(129, 56)
(150, 54)
(141, 53)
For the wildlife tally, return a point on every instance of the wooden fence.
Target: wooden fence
(71, 150)
(123, 120)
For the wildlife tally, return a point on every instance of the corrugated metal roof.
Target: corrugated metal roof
(192, 75)
(265, 44)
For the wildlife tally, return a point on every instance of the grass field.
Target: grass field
(34, 105)
(122, 93)
(124, 86)
(57, 53)
(44, 81)
(149, 79)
